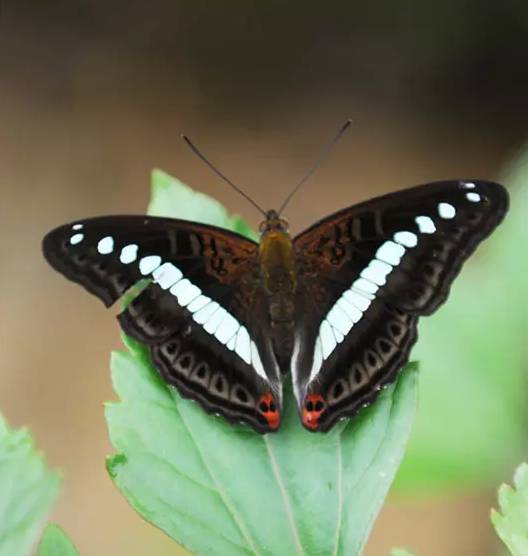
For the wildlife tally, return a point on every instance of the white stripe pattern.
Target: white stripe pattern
(214, 319)
(351, 306)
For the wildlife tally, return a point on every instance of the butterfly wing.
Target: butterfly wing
(366, 274)
(198, 315)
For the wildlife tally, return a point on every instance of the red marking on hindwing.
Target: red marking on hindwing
(267, 407)
(314, 406)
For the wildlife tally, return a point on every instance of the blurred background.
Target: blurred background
(93, 95)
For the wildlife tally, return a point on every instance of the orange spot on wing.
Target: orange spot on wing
(267, 407)
(314, 406)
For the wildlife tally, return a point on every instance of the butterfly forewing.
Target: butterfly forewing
(196, 314)
(366, 274)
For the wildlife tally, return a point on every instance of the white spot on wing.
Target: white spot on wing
(167, 275)
(377, 272)
(468, 185)
(242, 347)
(295, 370)
(228, 329)
(106, 245)
(447, 211)
(215, 321)
(256, 362)
(337, 335)
(76, 238)
(408, 239)
(129, 253)
(317, 359)
(204, 314)
(339, 320)
(77, 226)
(473, 197)
(365, 285)
(149, 263)
(390, 252)
(232, 343)
(328, 341)
(425, 224)
(357, 300)
(351, 310)
(198, 303)
(185, 291)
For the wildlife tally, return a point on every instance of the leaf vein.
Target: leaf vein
(339, 485)
(285, 498)
(232, 511)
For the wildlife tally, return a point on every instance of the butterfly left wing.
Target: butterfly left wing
(199, 315)
(366, 274)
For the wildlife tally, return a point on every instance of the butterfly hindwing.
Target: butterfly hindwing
(366, 274)
(194, 315)
(209, 354)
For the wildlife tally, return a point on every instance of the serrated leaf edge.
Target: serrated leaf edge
(505, 493)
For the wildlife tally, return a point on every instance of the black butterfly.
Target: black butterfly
(226, 318)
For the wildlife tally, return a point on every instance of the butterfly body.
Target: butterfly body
(336, 306)
(278, 272)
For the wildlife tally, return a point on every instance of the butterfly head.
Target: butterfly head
(273, 223)
(269, 410)
(314, 406)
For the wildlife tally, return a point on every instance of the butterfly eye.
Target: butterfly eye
(267, 407)
(314, 407)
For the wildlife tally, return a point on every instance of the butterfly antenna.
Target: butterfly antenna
(195, 150)
(324, 153)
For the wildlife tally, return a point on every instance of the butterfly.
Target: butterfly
(226, 319)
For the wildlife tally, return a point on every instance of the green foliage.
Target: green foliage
(27, 489)
(511, 523)
(55, 543)
(219, 489)
(170, 197)
(471, 424)
(400, 552)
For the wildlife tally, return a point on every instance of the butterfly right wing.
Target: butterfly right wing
(199, 316)
(367, 273)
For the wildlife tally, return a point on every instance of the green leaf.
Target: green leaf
(55, 543)
(400, 552)
(27, 490)
(219, 489)
(511, 523)
(170, 197)
(471, 425)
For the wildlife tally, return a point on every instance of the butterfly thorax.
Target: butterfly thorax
(277, 261)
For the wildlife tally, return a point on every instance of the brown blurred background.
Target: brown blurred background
(95, 94)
